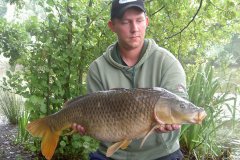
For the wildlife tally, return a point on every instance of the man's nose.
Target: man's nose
(134, 27)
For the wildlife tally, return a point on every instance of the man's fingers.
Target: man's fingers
(78, 128)
(74, 126)
(176, 126)
(162, 129)
(167, 127)
(172, 127)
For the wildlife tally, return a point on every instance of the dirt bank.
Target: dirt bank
(8, 148)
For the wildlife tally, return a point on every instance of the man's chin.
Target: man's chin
(135, 43)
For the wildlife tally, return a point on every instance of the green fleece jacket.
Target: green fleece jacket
(157, 67)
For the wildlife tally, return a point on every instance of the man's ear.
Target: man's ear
(111, 25)
(147, 21)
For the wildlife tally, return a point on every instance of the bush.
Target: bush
(10, 105)
(75, 147)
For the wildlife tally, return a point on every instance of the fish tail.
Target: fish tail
(40, 128)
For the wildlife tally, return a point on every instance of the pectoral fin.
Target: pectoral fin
(113, 148)
(125, 144)
(148, 134)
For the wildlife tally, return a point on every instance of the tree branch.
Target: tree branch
(200, 6)
(156, 11)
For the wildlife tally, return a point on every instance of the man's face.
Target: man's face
(131, 28)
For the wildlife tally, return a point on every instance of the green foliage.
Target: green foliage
(228, 55)
(190, 28)
(75, 146)
(3, 8)
(200, 141)
(19, 3)
(10, 105)
(57, 52)
(55, 61)
(13, 41)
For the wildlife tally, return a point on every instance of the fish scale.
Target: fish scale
(117, 115)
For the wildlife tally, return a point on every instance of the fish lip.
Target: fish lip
(199, 117)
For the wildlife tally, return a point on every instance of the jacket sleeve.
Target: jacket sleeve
(174, 79)
(93, 80)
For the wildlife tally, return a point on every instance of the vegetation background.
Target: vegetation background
(52, 43)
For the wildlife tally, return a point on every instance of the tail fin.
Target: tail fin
(40, 128)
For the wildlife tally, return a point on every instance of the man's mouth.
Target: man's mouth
(134, 37)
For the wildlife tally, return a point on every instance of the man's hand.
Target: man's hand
(167, 127)
(78, 128)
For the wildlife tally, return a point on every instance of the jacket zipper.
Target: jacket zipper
(133, 77)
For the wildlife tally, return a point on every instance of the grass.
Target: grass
(10, 106)
(200, 141)
(23, 135)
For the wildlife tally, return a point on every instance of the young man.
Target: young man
(136, 62)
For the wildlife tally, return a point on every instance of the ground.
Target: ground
(8, 149)
(230, 139)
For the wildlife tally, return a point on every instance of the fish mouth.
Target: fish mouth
(199, 117)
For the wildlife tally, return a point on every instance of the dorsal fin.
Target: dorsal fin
(67, 103)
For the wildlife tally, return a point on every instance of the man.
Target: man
(136, 62)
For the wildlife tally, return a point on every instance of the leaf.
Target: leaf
(50, 2)
(43, 108)
(63, 143)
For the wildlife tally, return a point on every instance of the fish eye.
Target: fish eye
(182, 105)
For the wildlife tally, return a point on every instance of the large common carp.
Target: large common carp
(116, 115)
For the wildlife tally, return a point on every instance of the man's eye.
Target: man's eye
(125, 22)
